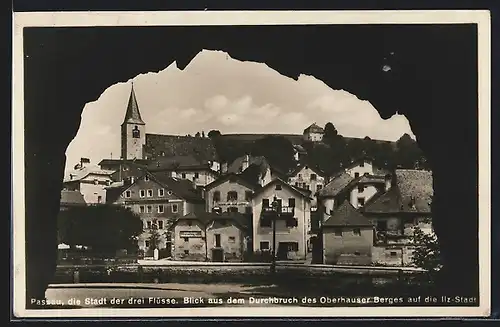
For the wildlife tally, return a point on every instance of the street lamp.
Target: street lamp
(276, 214)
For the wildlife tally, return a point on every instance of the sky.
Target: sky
(217, 92)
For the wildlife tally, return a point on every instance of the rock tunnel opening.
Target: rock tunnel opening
(68, 67)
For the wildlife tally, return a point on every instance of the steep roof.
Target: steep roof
(314, 128)
(371, 179)
(235, 177)
(69, 198)
(336, 185)
(133, 116)
(302, 192)
(201, 148)
(236, 164)
(347, 215)
(306, 163)
(180, 187)
(411, 192)
(79, 174)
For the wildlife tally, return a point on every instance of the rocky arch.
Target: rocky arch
(430, 76)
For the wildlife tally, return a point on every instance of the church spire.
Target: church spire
(133, 116)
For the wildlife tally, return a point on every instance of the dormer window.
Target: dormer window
(146, 178)
(96, 181)
(136, 133)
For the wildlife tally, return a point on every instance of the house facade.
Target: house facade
(294, 208)
(230, 193)
(309, 178)
(90, 180)
(313, 133)
(213, 237)
(159, 201)
(347, 237)
(396, 212)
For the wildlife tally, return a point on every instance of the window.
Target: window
(175, 208)
(160, 224)
(186, 252)
(319, 187)
(313, 177)
(127, 194)
(233, 209)
(196, 175)
(265, 203)
(161, 192)
(146, 178)
(393, 254)
(186, 239)
(146, 243)
(291, 203)
(216, 196)
(293, 247)
(136, 133)
(264, 246)
(149, 209)
(357, 231)
(248, 195)
(361, 188)
(366, 174)
(183, 175)
(149, 224)
(142, 193)
(150, 193)
(278, 187)
(265, 222)
(99, 199)
(338, 232)
(297, 184)
(362, 164)
(382, 225)
(248, 210)
(142, 209)
(356, 175)
(217, 240)
(232, 196)
(292, 222)
(96, 181)
(169, 192)
(300, 176)
(161, 209)
(361, 202)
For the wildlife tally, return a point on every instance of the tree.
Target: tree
(330, 131)
(105, 228)
(197, 134)
(408, 154)
(203, 134)
(278, 151)
(426, 254)
(214, 133)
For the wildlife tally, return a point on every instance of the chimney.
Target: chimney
(84, 162)
(388, 182)
(245, 163)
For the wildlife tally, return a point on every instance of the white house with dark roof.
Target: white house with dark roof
(90, 180)
(292, 224)
(313, 133)
(308, 177)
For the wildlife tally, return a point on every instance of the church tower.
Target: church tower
(133, 132)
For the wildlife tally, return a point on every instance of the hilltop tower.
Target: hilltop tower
(133, 131)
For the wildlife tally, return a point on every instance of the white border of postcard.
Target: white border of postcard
(178, 18)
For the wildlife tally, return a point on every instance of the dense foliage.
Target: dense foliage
(426, 254)
(330, 155)
(103, 228)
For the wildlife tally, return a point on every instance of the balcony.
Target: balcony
(283, 211)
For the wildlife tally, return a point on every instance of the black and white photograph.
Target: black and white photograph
(251, 164)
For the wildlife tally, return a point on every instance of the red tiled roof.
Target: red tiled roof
(347, 215)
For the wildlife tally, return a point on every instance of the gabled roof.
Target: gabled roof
(314, 128)
(299, 191)
(79, 174)
(158, 145)
(133, 116)
(371, 179)
(411, 192)
(234, 177)
(235, 166)
(181, 187)
(205, 218)
(357, 161)
(305, 163)
(347, 215)
(69, 198)
(117, 162)
(336, 185)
